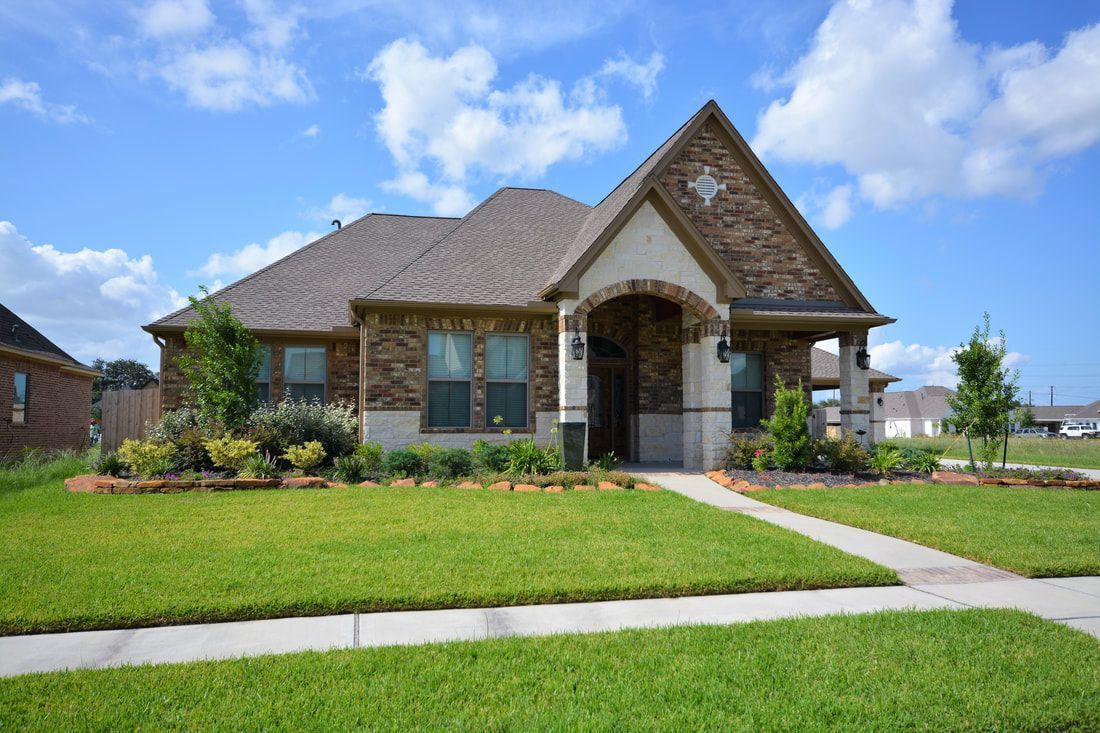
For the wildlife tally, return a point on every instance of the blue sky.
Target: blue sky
(947, 155)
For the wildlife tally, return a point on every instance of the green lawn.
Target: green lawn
(939, 670)
(1036, 451)
(1034, 532)
(83, 561)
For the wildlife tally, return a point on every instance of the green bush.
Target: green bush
(568, 479)
(109, 464)
(231, 453)
(525, 456)
(492, 457)
(922, 461)
(350, 469)
(402, 462)
(148, 458)
(608, 461)
(186, 429)
(743, 447)
(259, 466)
(424, 450)
(846, 454)
(450, 463)
(788, 428)
(885, 458)
(371, 455)
(295, 422)
(305, 456)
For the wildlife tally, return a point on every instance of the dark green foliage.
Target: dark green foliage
(402, 462)
(846, 454)
(986, 393)
(525, 456)
(788, 428)
(119, 374)
(608, 461)
(492, 457)
(885, 458)
(295, 422)
(743, 448)
(371, 455)
(350, 469)
(186, 429)
(221, 363)
(450, 463)
(259, 466)
(109, 464)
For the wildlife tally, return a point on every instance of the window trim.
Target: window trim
(270, 357)
(26, 397)
(324, 379)
(742, 390)
(487, 418)
(428, 379)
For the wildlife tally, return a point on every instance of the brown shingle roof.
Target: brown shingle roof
(15, 333)
(928, 402)
(825, 369)
(309, 289)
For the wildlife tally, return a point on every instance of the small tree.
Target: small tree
(221, 363)
(788, 428)
(986, 392)
(1024, 416)
(827, 402)
(119, 374)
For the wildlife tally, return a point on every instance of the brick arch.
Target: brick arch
(658, 288)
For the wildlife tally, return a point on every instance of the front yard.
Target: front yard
(939, 670)
(1036, 451)
(85, 561)
(1033, 532)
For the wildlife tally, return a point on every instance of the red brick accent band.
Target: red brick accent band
(659, 288)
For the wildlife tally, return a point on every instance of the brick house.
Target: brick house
(45, 394)
(450, 330)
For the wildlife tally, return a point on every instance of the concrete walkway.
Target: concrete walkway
(933, 579)
(1073, 601)
(1090, 472)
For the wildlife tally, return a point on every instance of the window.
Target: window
(263, 379)
(19, 404)
(450, 357)
(747, 383)
(304, 373)
(506, 380)
(604, 348)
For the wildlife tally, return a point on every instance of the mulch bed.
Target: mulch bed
(805, 478)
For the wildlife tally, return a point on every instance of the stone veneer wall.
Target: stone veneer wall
(342, 363)
(742, 226)
(395, 384)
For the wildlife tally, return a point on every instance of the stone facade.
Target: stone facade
(58, 411)
(742, 225)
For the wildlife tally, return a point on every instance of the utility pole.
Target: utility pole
(1029, 403)
(1052, 395)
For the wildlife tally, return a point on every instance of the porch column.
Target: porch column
(855, 393)
(572, 378)
(707, 417)
(692, 387)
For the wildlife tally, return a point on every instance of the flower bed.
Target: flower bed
(748, 481)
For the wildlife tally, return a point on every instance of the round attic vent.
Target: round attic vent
(706, 186)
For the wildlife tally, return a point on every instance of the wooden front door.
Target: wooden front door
(607, 419)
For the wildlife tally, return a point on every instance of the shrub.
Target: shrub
(424, 450)
(305, 456)
(616, 477)
(402, 462)
(294, 422)
(259, 466)
(450, 463)
(608, 461)
(788, 429)
(525, 456)
(350, 469)
(371, 455)
(492, 457)
(230, 453)
(846, 454)
(761, 459)
(568, 479)
(743, 447)
(885, 458)
(186, 429)
(147, 458)
(923, 461)
(109, 464)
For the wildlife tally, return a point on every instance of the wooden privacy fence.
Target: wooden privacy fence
(125, 413)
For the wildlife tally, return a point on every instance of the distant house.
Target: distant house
(1052, 417)
(45, 394)
(825, 374)
(908, 414)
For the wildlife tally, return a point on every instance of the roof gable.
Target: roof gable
(16, 335)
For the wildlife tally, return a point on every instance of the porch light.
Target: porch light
(723, 349)
(863, 359)
(577, 345)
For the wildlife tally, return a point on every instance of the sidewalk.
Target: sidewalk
(933, 579)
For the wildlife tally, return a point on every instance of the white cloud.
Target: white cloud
(174, 18)
(643, 76)
(313, 131)
(27, 95)
(893, 93)
(91, 303)
(442, 113)
(230, 76)
(831, 210)
(252, 257)
(341, 206)
(272, 26)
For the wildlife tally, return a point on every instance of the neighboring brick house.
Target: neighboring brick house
(45, 394)
(434, 327)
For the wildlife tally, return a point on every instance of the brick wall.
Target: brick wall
(783, 355)
(742, 226)
(396, 356)
(342, 377)
(58, 407)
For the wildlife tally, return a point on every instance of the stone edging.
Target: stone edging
(91, 484)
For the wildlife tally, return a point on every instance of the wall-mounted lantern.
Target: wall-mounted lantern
(723, 348)
(863, 359)
(577, 345)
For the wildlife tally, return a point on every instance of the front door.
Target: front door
(607, 425)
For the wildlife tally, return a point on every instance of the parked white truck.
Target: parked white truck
(1080, 429)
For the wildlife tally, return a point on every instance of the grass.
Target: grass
(1034, 451)
(933, 670)
(85, 561)
(1033, 532)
